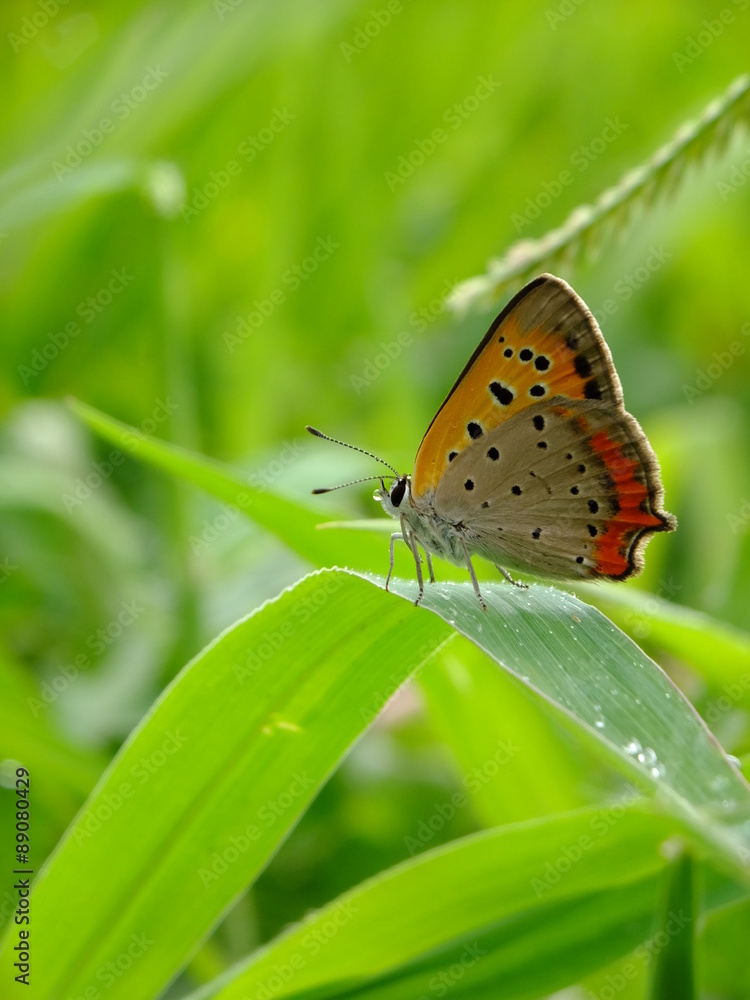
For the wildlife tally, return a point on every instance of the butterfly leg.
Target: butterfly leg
(411, 541)
(473, 575)
(509, 578)
(395, 537)
(429, 565)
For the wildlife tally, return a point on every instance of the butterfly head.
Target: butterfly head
(393, 500)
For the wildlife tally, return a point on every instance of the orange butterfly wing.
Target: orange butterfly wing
(544, 343)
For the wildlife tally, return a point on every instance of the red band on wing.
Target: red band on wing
(613, 547)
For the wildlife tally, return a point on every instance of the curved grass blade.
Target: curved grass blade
(294, 523)
(212, 780)
(718, 651)
(533, 906)
(673, 972)
(596, 677)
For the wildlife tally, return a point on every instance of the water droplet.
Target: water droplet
(599, 723)
(719, 782)
(647, 757)
(633, 747)
(734, 760)
(657, 771)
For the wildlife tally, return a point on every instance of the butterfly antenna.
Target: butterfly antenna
(330, 489)
(354, 447)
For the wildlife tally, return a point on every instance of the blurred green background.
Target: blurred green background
(222, 221)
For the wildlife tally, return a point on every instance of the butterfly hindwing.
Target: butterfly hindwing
(545, 343)
(565, 488)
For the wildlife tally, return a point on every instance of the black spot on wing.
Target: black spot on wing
(582, 365)
(591, 390)
(474, 429)
(502, 393)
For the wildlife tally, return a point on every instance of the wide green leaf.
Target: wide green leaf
(719, 651)
(529, 907)
(212, 780)
(596, 677)
(516, 762)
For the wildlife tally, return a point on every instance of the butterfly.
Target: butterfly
(532, 461)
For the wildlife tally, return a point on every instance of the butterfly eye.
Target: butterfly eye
(397, 493)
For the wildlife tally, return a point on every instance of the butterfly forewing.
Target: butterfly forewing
(545, 343)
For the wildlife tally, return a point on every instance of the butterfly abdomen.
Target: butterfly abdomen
(436, 534)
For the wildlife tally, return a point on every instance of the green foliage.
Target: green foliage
(254, 772)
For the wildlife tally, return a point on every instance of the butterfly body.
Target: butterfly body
(532, 460)
(434, 533)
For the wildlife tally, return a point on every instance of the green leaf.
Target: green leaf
(720, 652)
(27, 736)
(294, 523)
(533, 906)
(673, 973)
(596, 677)
(212, 780)
(516, 761)
(722, 948)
